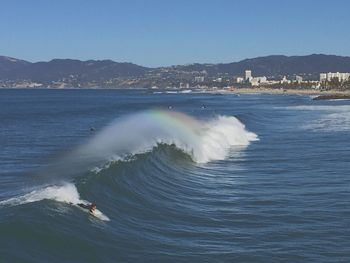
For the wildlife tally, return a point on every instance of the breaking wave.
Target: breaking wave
(204, 141)
(142, 133)
(62, 193)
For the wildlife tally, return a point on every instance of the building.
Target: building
(258, 80)
(254, 82)
(248, 75)
(323, 77)
(331, 75)
(285, 80)
(262, 79)
(298, 79)
(239, 80)
(199, 79)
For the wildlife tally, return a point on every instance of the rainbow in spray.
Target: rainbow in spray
(139, 133)
(177, 121)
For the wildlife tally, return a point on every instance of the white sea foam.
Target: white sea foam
(64, 193)
(335, 122)
(204, 140)
(332, 118)
(330, 108)
(219, 136)
(186, 91)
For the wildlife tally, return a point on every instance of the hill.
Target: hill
(108, 73)
(63, 69)
(277, 65)
(8, 64)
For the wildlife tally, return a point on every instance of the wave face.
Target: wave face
(204, 141)
(142, 133)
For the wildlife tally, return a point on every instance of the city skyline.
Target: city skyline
(161, 34)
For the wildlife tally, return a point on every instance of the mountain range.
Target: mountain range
(100, 72)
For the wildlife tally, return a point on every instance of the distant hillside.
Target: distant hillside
(77, 73)
(58, 69)
(277, 65)
(7, 64)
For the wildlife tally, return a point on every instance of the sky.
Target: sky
(168, 32)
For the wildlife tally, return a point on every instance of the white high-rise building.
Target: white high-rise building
(323, 77)
(248, 74)
(331, 75)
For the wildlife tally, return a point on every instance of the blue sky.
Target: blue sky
(161, 32)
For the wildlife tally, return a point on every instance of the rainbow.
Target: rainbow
(177, 121)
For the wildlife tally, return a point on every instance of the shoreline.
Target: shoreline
(288, 91)
(223, 91)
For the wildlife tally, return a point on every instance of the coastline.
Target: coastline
(288, 91)
(222, 91)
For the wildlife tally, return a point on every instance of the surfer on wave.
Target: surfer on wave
(91, 207)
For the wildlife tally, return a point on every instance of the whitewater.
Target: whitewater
(204, 141)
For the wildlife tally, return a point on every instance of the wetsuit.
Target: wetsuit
(88, 207)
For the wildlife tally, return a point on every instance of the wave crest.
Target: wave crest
(67, 193)
(204, 141)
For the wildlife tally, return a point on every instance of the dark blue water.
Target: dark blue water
(214, 195)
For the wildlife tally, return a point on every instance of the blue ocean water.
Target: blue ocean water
(180, 177)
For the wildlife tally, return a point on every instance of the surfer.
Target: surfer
(91, 207)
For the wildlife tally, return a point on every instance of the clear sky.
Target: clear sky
(168, 32)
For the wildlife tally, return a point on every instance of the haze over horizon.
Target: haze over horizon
(156, 34)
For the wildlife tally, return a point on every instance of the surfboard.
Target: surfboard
(97, 213)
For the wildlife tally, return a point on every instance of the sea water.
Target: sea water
(182, 177)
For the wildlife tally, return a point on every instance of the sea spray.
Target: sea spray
(219, 136)
(204, 141)
(62, 193)
(66, 193)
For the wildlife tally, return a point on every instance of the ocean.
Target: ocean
(178, 177)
